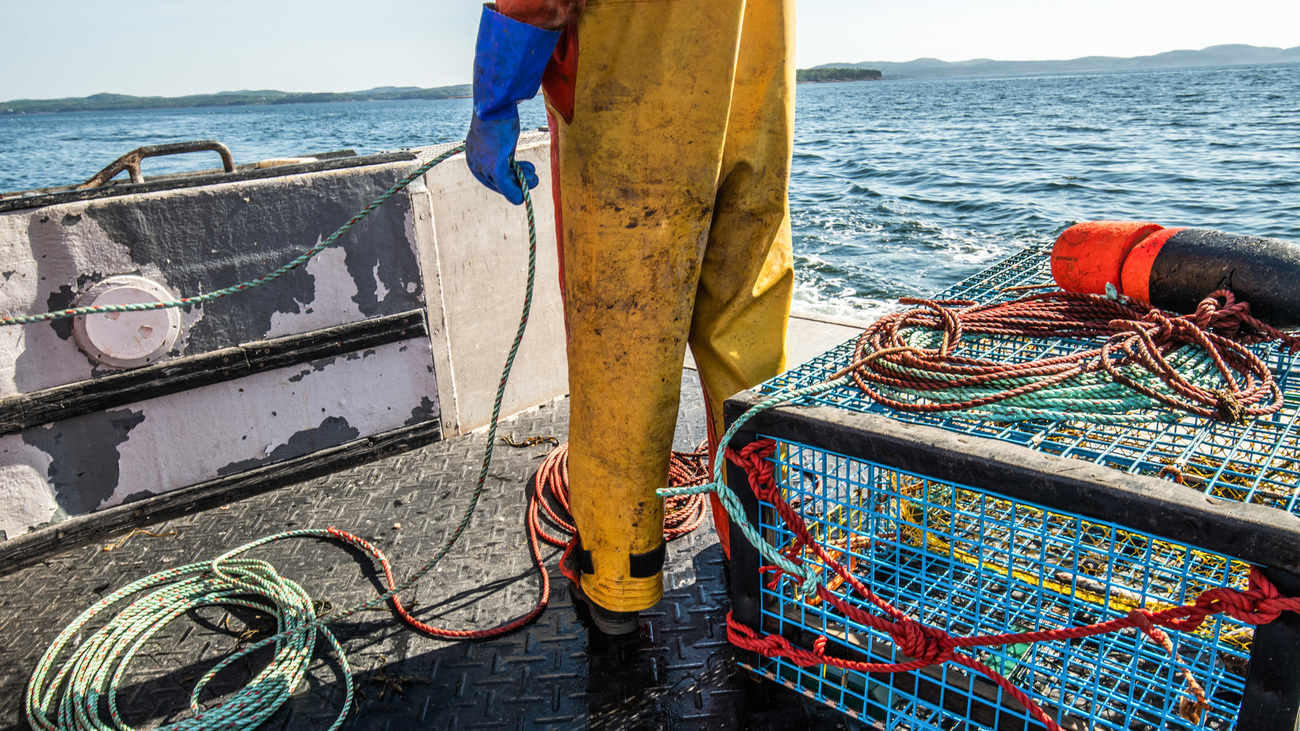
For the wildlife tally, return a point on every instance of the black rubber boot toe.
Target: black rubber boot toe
(607, 621)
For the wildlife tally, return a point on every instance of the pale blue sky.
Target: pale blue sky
(176, 47)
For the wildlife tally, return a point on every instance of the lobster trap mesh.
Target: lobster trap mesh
(971, 562)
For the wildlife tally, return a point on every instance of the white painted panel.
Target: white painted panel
(195, 436)
(25, 496)
(479, 254)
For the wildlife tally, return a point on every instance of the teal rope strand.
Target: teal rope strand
(728, 497)
(252, 283)
(71, 700)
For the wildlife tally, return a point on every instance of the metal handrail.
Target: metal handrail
(131, 160)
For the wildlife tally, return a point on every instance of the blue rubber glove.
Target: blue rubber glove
(508, 63)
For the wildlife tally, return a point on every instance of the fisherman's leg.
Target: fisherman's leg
(746, 282)
(638, 169)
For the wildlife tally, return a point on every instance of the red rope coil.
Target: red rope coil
(1136, 335)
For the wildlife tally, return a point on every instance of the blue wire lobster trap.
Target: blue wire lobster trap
(982, 527)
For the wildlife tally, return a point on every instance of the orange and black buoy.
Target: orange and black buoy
(1175, 268)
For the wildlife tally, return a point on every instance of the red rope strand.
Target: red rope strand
(548, 509)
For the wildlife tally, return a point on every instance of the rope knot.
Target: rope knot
(762, 473)
(1229, 317)
(1222, 311)
(1144, 619)
(1260, 603)
(779, 573)
(1155, 323)
(1207, 310)
(1229, 407)
(922, 642)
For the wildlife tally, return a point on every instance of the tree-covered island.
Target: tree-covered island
(116, 102)
(816, 76)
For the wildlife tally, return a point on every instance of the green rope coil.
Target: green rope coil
(97, 668)
(73, 695)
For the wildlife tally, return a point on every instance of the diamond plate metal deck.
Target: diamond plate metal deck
(678, 672)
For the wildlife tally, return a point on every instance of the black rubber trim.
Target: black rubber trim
(1194, 262)
(746, 583)
(1271, 701)
(28, 410)
(648, 564)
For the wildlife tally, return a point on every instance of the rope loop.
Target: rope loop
(1174, 472)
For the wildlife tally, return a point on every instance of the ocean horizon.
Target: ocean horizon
(899, 188)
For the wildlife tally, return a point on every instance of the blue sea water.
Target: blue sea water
(899, 187)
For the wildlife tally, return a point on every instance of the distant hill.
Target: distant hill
(114, 102)
(929, 68)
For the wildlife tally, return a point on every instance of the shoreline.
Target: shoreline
(125, 103)
(268, 98)
(16, 113)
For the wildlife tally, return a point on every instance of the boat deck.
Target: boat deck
(677, 672)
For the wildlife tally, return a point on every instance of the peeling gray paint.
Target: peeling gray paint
(136, 496)
(84, 461)
(376, 280)
(332, 432)
(195, 240)
(189, 436)
(53, 262)
(60, 299)
(209, 238)
(426, 411)
(314, 367)
(207, 241)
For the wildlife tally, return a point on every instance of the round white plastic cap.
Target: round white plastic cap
(126, 339)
